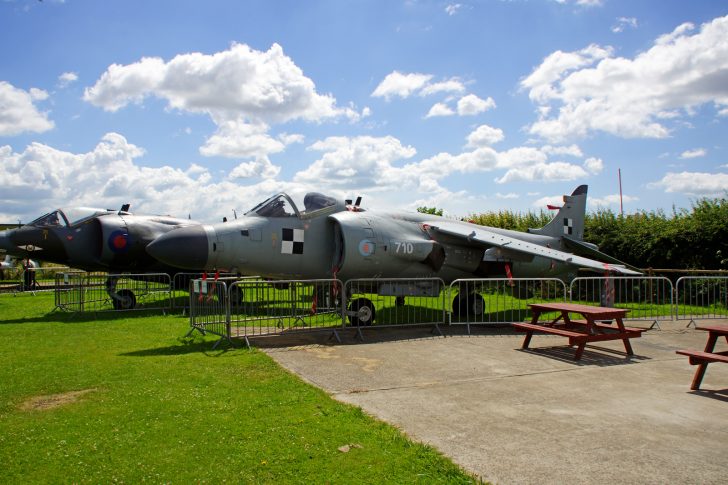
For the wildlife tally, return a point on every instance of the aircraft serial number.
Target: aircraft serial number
(403, 247)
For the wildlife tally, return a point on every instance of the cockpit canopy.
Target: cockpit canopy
(281, 205)
(68, 217)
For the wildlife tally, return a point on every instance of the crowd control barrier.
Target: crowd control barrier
(265, 308)
(488, 301)
(648, 298)
(701, 297)
(386, 302)
(99, 292)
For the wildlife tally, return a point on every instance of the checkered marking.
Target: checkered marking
(568, 226)
(292, 241)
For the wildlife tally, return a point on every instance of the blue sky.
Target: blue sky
(200, 108)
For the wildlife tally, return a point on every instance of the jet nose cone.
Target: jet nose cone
(185, 247)
(5, 243)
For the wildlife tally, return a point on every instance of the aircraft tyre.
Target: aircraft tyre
(473, 305)
(364, 312)
(123, 300)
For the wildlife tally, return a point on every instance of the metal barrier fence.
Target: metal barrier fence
(701, 297)
(500, 300)
(34, 279)
(99, 292)
(181, 286)
(258, 308)
(395, 301)
(647, 298)
(209, 309)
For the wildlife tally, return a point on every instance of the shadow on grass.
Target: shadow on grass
(101, 317)
(187, 345)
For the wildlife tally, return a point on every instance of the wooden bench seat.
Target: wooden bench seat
(530, 327)
(701, 357)
(609, 326)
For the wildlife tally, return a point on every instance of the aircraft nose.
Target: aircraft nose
(185, 247)
(5, 243)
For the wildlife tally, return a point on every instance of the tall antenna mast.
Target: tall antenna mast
(621, 205)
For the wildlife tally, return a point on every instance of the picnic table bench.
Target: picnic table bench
(593, 328)
(707, 356)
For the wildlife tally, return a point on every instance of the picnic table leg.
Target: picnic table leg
(627, 344)
(700, 372)
(527, 339)
(529, 333)
(580, 350)
(698, 377)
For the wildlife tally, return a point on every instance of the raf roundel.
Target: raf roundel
(119, 241)
(366, 247)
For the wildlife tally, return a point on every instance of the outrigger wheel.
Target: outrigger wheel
(470, 305)
(123, 300)
(361, 312)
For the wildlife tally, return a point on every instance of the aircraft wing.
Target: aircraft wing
(485, 238)
(586, 250)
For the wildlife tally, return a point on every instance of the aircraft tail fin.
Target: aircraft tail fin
(569, 221)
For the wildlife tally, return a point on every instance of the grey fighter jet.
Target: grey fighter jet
(94, 240)
(335, 239)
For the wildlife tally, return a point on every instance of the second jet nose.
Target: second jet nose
(5, 243)
(185, 247)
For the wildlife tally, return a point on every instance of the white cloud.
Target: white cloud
(42, 178)
(401, 85)
(236, 139)
(67, 78)
(258, 168)
(405, 85)
(630, 98)
(439, 109)
(18, 113)
(363, 162)
(612, 200)
(549, 200)
(694, 183)
(472, 105)
(556, 171)
(571, 150)
(237, 83)
(624, 23)
(452, 8)
(485, 135)
(594, 165)
(582, 3)
(241, 89)
(695, 153)
(453, 85)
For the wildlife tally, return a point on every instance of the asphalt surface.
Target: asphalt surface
(514, 416)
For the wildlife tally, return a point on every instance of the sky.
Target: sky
(202, 109)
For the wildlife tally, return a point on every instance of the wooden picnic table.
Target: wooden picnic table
(595, 327)
(702, 359)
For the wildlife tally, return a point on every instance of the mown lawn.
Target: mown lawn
(124, 398)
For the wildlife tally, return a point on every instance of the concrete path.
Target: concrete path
(536, 416)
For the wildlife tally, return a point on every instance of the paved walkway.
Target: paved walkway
(535, 416)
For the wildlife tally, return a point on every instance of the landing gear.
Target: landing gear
(361, 312)
(123, 299)
(471, 305)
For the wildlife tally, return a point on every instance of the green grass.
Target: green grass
(159, 408)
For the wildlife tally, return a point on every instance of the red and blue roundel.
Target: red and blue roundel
(119, 241)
